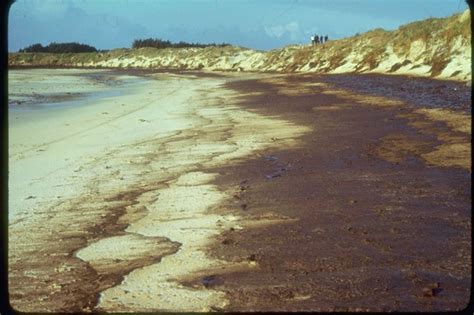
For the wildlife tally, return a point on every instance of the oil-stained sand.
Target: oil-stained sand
(378, 225)
(287, 193)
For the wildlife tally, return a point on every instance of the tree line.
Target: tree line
(59, 48)
(138, 43)
(159, 43)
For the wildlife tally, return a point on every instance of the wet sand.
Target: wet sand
(257, 193)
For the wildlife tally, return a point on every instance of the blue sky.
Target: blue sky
(258, 24)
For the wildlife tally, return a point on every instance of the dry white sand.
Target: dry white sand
(154, 143)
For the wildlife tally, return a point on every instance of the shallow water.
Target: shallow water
(37, 98)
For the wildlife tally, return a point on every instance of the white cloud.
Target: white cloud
(277, 31)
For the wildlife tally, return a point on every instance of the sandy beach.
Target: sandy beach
(235, 192)
(112, 187)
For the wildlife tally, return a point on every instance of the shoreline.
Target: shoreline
(220, 73)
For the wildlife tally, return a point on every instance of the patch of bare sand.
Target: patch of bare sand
(333, 107)
(451, 154)
(395, 148)
(455, 120)
(126, 252)
(362, 98)
(288, 88)
(455, 148)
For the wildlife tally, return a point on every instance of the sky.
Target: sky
(257, 24)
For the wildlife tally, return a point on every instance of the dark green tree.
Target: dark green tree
(160, 44)
(60, 48)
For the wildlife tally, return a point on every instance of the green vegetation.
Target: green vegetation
(59, 48)
(160, 44)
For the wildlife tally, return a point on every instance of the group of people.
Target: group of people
(315, 39)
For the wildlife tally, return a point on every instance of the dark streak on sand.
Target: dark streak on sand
(66, 283)
(371, 235)
(418, 91)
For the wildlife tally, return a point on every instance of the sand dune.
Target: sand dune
(439, 48)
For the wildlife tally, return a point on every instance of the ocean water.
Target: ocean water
(29, 91)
